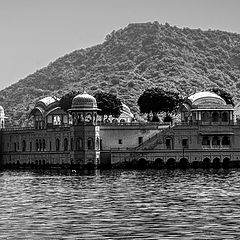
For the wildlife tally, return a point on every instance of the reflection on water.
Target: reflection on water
(120, 205)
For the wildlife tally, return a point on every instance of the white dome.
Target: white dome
(125, 108)
(84, 101)
(201, 97)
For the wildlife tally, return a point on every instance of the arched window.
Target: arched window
(65, 119)
(23, 145)
(95, 118)
(225, 117)
(37, 145)
(79, 144)
(225, 141)
(57, 144)
(205, 141)
(40, 145)
(56, 120)
(79, 118)
(65, 143)
(168, 143)
(71, 144)
(215, 117)
(43, 144)
(205, 117)
(88, 118)
(215, 141)
(90, 144)
(49, 119)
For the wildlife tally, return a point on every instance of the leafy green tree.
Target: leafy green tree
(155, 118)
(109, 104)
(223, 94)
(66, 101)
(155, 100)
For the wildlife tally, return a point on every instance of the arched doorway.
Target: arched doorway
(205, 141)
(215, 117)
(65, 144)
(206, 163)
(142, 163)
(205, 117)
(36, 164)
(171, 163)
(18, 164)
(32, 165)
(196, 164)
(183, 163)
(225, 117)
(226, 163)
(90, 165)
(158, 163)
(215, 141)
(226, 141)
(216, 163)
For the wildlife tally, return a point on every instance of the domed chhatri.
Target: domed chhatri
(84, 101)
(204, 97)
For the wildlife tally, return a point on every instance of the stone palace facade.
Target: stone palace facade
(207, 135)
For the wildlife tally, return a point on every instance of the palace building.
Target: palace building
(206, 135)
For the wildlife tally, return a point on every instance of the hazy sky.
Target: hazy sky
(36, 32)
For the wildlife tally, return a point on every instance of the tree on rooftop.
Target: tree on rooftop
(223, 94)
(156, 100)
(66, 101)
(109, 104)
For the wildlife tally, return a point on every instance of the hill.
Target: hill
(132, 59)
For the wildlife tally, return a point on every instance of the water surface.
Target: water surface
(193, 204)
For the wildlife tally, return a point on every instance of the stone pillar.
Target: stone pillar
(211, 138)
(220, 138)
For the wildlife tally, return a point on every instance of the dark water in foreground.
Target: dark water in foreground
(120, 205)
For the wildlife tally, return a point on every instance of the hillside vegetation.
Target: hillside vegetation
(132, 59)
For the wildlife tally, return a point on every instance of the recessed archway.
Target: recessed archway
(18, 164)
(171, 163)
(225, 117)
(183, 163)
(142, 163)
(226, 162)
(215, 117)
(158, 163)
(216, 162)
(196, 164)
(206, 162)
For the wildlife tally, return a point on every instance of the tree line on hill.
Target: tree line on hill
(132, 59)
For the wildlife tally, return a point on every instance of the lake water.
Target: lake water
(164, 204)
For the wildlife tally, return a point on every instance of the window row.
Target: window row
(41, 145)
(215, 116)
(216, 141)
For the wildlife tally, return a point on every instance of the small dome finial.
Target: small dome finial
(84, 91)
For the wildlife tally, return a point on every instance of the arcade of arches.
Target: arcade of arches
(183, 162)
(216, 141)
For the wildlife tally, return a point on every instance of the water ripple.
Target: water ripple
(120, 205)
